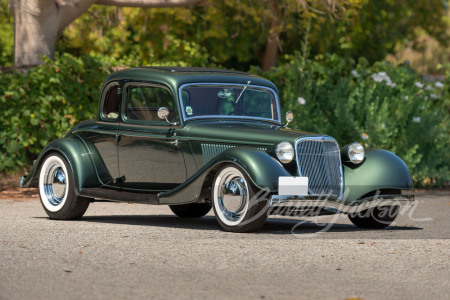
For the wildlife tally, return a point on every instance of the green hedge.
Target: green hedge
(381, 106)
(350, 101)
(43, 105)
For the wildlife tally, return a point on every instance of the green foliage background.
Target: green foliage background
(409, 119)
(333, 74)
(404, 115)
(41, 106)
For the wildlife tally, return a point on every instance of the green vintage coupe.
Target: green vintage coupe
(195, 138)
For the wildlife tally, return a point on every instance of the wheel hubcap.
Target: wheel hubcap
(233, 196)
(55, 184)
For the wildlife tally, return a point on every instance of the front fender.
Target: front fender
(262, 169)
(76, 154)
(381, 169)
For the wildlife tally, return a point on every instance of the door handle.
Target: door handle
(175, 143)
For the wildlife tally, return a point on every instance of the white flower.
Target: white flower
(391, 84)
(422, 107)
(439, 85)
(406, 98)
(301, 100)
(433, 96)
(382, 76)
(416, 120)
(418, 84)
(365, 136)
(428, 87)
(355, 73)
(383, 125)
(379, 77)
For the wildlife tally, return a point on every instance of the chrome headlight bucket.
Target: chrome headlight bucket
(355, 153)
(285, 152)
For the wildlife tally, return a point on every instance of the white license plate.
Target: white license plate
(292, 186)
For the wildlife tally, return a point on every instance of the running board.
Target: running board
(119, 196)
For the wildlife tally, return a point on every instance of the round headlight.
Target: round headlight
(356, 153)
(285, 152)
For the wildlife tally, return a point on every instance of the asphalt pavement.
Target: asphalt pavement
(130, 251)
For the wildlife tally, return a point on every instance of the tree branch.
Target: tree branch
(69, 11)
(148, 3)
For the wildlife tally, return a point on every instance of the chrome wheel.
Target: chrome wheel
(53, 183)
(231, 196)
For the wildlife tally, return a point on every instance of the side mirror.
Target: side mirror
(289, 118)
(163, 113)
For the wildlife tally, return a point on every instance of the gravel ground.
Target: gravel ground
(139, 252)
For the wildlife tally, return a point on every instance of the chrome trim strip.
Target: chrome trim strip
(183, 113)
(300, 202)
(321, 138)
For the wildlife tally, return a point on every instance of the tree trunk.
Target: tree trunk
(273, 39)
(37, 26)
(271, 53)
(39, 23)
(34, 32)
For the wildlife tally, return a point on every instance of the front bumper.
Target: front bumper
(302, 203)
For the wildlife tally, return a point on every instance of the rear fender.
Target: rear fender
(74, 151)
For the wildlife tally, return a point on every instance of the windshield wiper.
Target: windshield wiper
(248, 82)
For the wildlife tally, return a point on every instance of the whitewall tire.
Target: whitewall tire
(56, 190)
(237, 204)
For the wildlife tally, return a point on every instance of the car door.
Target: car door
(102, 140)
(150, 156)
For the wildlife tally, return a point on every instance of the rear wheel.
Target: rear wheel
(191, 210)
(236, 201)
(56, 190)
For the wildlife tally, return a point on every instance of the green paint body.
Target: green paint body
(203, 146)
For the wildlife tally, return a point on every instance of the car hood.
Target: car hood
(243, 132)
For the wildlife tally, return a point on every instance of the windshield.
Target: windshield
(229, 101)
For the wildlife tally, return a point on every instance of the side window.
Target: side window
(143, 102)
(111, 103)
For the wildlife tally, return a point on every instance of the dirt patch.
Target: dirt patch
(10, 189)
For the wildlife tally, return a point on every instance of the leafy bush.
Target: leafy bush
(43, 105)
(381, 106)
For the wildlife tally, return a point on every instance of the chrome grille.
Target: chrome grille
(319, 159)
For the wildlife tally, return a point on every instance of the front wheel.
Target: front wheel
(238, 204)
(57, 192)
(375, 218)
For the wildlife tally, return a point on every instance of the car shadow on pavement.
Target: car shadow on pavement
(272, 226)
(303, 226)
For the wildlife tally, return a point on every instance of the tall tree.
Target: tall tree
(283, 13)
(39, 23)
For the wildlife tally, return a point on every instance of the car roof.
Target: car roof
(177, 76)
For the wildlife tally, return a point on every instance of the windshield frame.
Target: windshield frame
(185, 118)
